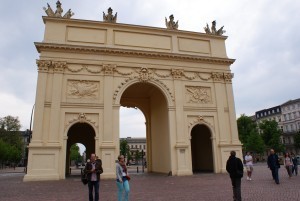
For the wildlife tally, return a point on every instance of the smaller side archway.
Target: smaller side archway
(80, 133)
(201, 149)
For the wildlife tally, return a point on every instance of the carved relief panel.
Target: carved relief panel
(83, 89)
(198, 94)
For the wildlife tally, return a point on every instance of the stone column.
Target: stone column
(58, 70)
(223, 132)
(232, 116)
(43, 68)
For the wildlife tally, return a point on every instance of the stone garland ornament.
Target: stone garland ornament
(58, 12)
(213, 29)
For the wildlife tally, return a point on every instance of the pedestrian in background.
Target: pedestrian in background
(295, 165)
(273, 164)
(249, 165)
(122, 179)
(234, 167)
(288, 164)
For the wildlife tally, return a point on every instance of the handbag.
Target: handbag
(84, 179)
(127, 177)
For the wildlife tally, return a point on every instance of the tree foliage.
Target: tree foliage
(245, 126)
(297, 140)
(75, 153)
(271, 135)
(11, 144)
(138, 155)
(10, 123)
(255, 143)
(124, 148)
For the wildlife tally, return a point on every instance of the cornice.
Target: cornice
(125, 52)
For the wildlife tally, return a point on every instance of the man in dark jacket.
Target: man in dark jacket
(273, 164)
(234, 167)
(93, 169)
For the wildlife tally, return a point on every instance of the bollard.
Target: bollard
(137, 169)
(70, 170)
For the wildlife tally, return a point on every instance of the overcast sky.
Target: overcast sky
(263, 37)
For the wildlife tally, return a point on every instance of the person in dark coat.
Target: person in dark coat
(234, 167)
(273, 164)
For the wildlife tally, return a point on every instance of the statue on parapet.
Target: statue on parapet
(171, 24)
(110, 17)
(213, 29)
(58, 12)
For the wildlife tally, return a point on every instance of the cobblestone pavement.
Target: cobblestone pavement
(155, 187)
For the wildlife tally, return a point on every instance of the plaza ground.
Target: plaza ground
(154, 187)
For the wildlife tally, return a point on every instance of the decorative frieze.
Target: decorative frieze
(58, 66)
(109, 69)
(217, 76)
(82, 89)
(177, 73)
(198, 94)
(228, 77)
(43, 65)
(55, 66)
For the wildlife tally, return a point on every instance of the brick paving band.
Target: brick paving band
(155, 187)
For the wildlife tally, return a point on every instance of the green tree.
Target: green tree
(10, 123)
(138, 155)
(297, 140)
(245, 126)
(124, 149)
(11, 139)
(75, 153)
(271, 135)
(255, 143)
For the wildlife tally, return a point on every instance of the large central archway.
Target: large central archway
(80, 133)
(151, 101)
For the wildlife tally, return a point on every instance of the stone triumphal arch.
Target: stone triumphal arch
(180, 80)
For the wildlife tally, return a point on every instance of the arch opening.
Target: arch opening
(80, 133)
(201, 147)
(153, 104)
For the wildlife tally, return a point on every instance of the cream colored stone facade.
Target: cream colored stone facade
(180, 80)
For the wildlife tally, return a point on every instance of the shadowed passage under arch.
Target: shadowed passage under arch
(80, 133)
(201, 145)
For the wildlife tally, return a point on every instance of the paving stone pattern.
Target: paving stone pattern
(155, 187)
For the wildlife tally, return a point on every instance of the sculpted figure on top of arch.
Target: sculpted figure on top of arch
(58, 12)
(213, 29)
(110, 17)
(171, 24)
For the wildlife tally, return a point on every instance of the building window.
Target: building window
(144, 146)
